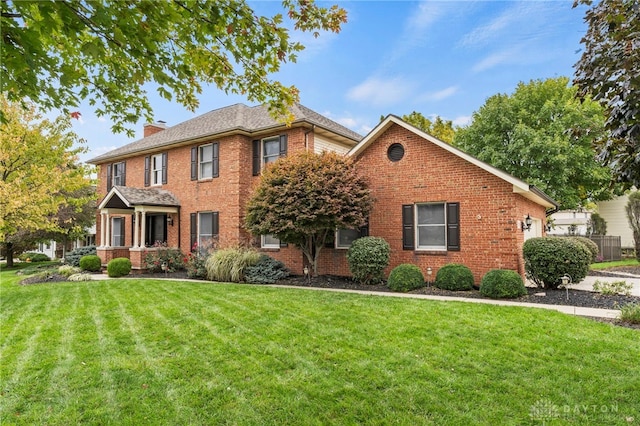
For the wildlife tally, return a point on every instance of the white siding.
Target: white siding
(613, 212)
(320, 145)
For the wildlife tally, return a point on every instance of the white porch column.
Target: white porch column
(136, 229)
(107, 231)
(102, 230)
(143, 230)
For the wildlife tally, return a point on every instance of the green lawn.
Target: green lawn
(141, 352)
(605, 265)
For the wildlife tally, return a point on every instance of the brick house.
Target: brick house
(188, 184)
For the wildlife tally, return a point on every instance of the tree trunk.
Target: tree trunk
(8, 247)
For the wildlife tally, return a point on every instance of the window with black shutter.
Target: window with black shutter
(431, 226)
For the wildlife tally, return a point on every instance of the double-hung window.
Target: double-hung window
(155, 169)
(269, 241)
(117, 232)
(205, 161)
(267, 151)
(204, 229)
(431, 226)
(344, 237)
(116, 174)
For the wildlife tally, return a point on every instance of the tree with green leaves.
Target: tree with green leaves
(596, 225)
(39, 171)
(440, 128)
(633, 214)
(304, 198)
(58, 53)
(542, 134)
(609, 72)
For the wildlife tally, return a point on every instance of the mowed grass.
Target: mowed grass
(140, 352)
(605, 265)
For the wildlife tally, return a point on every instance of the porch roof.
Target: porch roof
(124, 197)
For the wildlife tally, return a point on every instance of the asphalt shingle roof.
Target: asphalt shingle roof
(238, 117)
(147, 196)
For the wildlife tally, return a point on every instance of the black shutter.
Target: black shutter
(215, 224)
(364, 230)
(283, 145)
(453, 226)
(193, 230)
(331, 240)
(283, 244)
(147, 170)
(109, 177)
(216, 159)
(256, 158)
(122, 231)
(194, 164)
(408, 235)
(164, 168)
(124, 173)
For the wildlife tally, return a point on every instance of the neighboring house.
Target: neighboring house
(569, 222)
(187, 186)
(56, 250)
(615, 214)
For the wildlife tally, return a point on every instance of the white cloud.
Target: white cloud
(358, 125)
(380, 92)
(498, 58)
(441, 94)
(462, 120)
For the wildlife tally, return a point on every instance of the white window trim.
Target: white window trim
(417, 226)
(200, 162)
(265, 245)
(275, 139)
(156, 161)
(114, 176)
(337, 239)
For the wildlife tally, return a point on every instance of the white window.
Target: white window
(205, 229)
(270, 150)
(156, 170)
(117, 232)
(344, 237)
(206, 161)
(118, 174)
(431, 229)
(269, 241)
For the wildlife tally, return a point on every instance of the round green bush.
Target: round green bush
(454, 277)
(590, 245)
(118, 267)
(34, 257)
(501, 284)
(91, 263)
(405, 277)
(73, 257)
(267, 271)
(547, 259)
(367, 257)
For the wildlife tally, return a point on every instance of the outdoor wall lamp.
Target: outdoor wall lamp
(170, 220)
(526, 225)
(429, 272)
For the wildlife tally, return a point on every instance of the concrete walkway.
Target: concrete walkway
(587, 283)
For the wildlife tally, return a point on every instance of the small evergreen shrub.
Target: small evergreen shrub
(267, 271)
(590, 245)
(118, 267)
(34, 257)
(405, 277)
(73, 257)
(611, 288)
(229, 264)
(367, 258)
(91, 263)
(547, 259)
(80, 277)
(454, 277)
(630, 313)
(171, 258)
(68, 270)
(502, 284)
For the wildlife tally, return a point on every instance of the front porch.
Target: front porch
(134, 222)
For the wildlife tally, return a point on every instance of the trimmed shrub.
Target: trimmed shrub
(118, 267)
(501, 284)
(228, 265)
(80, 277)
(630, 313)
(91, 263)
(171, 258)
(73, 257)
(590, 245)
(34, 257)
(68, 270)
(454, 277)
(367, 258)
(547, 259)
(405, 277)
(267, 271)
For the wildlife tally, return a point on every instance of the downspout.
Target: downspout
(306, 139)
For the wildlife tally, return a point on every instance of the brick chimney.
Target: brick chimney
(152, 128)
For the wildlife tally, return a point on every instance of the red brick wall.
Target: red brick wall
(489, 210)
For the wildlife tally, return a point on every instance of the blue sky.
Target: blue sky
(393, 57)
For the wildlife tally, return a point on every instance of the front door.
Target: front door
(156, 229)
